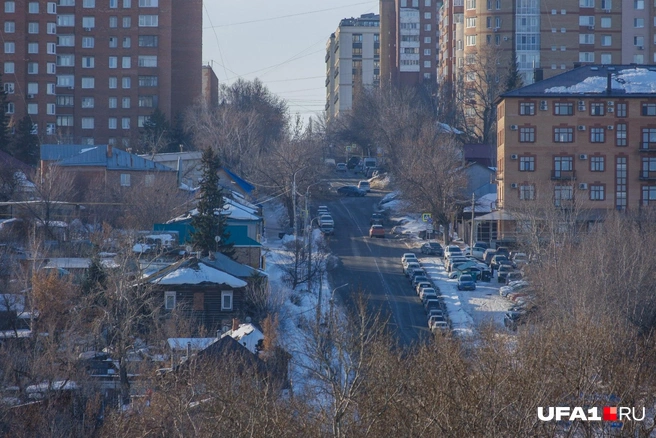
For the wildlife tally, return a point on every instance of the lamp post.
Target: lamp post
(332, 299)
(294, 200)
(471, 236)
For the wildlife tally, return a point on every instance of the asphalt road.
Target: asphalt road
(373, 265)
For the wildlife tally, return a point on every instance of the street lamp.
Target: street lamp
(332, 299)
(294, 199)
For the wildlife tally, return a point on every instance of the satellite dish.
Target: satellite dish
(217, 239)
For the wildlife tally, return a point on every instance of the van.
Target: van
(369, 162)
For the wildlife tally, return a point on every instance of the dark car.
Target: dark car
(513, 276)
(517, 316)
(498, 260)
(353, 162)
(432, 248)
(466, 282)
(488, 254)
(351, 191)
(504, 270)
(376, 219)
(327, 229)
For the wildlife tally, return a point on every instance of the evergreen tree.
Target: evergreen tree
(514, 79)
(155, 133)
(209, 222)
(4, 120)
(26, 143)
(96, 277)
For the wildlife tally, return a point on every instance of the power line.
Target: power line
(218, 45)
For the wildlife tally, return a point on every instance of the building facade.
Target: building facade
(409, 41)
(352, 61)
(92, 71)
(585, 139)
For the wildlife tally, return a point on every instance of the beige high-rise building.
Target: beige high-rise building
(352, 61)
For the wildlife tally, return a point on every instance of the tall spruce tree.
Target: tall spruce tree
(26, 142)
(4, 120)
(209, 222)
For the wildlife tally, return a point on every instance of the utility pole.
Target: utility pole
(471, 236)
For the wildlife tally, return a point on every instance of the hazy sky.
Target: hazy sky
(281, 42)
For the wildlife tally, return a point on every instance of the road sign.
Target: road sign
(426, 216)
(430, 220)
(429, 228)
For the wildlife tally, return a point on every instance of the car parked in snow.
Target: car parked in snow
(513, 287)
(452, 250)
(341, 167)
(504, 270)
(427, 291)
(376, 218)
(409, 255)
(478, 250)
(466, 282)
(432, 248)
(377, 231)
(422, 284)
(411, 265)
(498, 260)
(364, 185)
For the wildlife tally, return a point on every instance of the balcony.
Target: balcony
(563, 175)
(646, 175)
(647, 147)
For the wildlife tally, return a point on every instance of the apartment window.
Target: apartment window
(527, 192)
(127, 42)
(33, 108)
(527, 135)
(88, 42)
(113, 62)
(563, 195)
(51, 28)
(88, 82)
(127, 22)
(470, 22)
(113, 102)
(32, 88)
(50, 109)
(65, 81)
(9, 87)
(586, 56)
(66, 40)
(638, 41)
(51, 48)
(64, 120)
(113, 42)
(8, 67)
(620, 110)
(586, 38)
(470, 40)
(113, 4)
(470, 4)
(649, 109)
(597, 192)
(126, 62)
(606, 5)
(621, 134)
(427, 3)
(527, 164)
(148, 41)
(88, 22)
(427, 64)
(32, 68)
(65, 101)
(51, 68)
(563, 135)
(88, 3)
(147, 81)
(10, 27)
(151, 20)
(427, 15)
(125, 123)
(87, 102)
(113, 22)
(597, 164)
(50, 89)
(648, 138)
(88, 62)
(427, 52)
(66, 60)
(127, 3)
(33, 7)
(606, 40)
(126, 82)
(563, 109)
(87, 123)
(597, 135)
(152, 3)
(527, 108)
(125, 102)
(66, 20)
(10, 7)
(606, 22)
(125, 182)
(10, 47)
(113, 82)
(427, 27)
(586, 20)
(112, 123)
(638, 23)
(597, 109)
(32, 48)
(147, 60)
(226, 300)
(10, 108)
(33, 28)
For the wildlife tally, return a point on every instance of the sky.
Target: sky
(281, 42)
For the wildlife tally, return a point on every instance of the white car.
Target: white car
(364, 185)
(427, 291)
(408, 256)
(452, 250)
(514, 286)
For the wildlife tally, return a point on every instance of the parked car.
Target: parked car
(350, 191)
(341, 167)
(514, 276)
(419, 278)
(411, 265)
(432, 248)
(432, 304)
(466, 282)
(513, 287)
(377, 231)
(515, 317)
(503, 250)
(408, 257)
(519, 259)
(488, 254)
(353, 162)
(326, 219)
(498, 260)
(448, 264)
(478, 250)
(440, 327)
(376, 218)
(504, 270)
(427, 291)
(452, 250)
(433, 320)
(416, 273)
(327, 230)
(364, 185)
(422, 284)
(322, 209)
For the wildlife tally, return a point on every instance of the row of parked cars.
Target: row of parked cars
(325, 221)
(429, 293)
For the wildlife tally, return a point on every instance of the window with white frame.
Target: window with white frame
(112, 123)
(125, 182)
(127, 22)
(8, 67)
(125, 123)
(51, 48)
(67, 60)
(127, 3)
(606, 58)
(113, 102)
(33, 27)
(66, 40)
(9, 87)
(226, 300)
(606, 22)
(10, 27)
(32, 68)
(125, 102)
(88, 42)
(586, 38)
(66, 2)
(113, 82)
(10, 108)
(113, 21)
(51, 68)
(88, 3)
(50, 109)
(50, 89)
(87, 123)
(51, 28)
(32, 88)
(147, 61)
(10, 7)
(586, 56)
(638, 23)
(33, 7)
(10, 47)
(113, 4)
(127, 42)
(169, 296)
(126, 82)
(88, 62)
(33, 108)
(88, 22)
(113, 62)
(470, 40)
(65, 80)
(64, 121)
(88, 82)
(586, 3)
(150, 3)
(606, 40)
(87, 102)
(148, 20)
(126, 62)
(66, 20)
(586, 20)
(32, 48)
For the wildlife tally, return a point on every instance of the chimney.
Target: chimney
(235, 324)
(109, 151)
(609, 83)
(188, 350)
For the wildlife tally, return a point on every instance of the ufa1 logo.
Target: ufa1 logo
(609, 413)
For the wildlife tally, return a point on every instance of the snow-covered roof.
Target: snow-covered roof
(630, 81)
(484, 204)
(448, 128)
(58, 385)
(196, 274)
(196, 343)
(248, 336)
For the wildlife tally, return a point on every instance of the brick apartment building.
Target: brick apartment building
(92, 71)
(585, 139)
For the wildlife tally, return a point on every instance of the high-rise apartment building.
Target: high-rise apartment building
(352, 61)
(92, 71)
(409, 41)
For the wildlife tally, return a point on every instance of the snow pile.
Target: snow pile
(630, 81)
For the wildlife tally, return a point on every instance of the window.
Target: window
(32, 47)
(620, 110)
(586, 56)
(638, 23)
(33, 108)
(65, 101)
(649, 109)
(141, 121)
(32, 88)
(51, 48)
(586, 20)
(10, 108)
(586, 38)
(65, 81)
(471, 4)
(10, 7)
(33, 7)
(597, 164)
(88, 82)
(50, 109)
(149, 20)
(638, 4)
(113, 42)
(427, 15)
(147, 81)
(527, 164)
(10, 27)
(586, 3)
(33, 27)
(527, 192)
(51, 28)
(527, 108)
(87, 102)
(88, 42)
(112, 123)
(147, 101)
(127, 42)
(226, 300)
(563, 109)
(147, 61)
(125, 123)
(66, 60)
(155, 3)
(148, 41)
(32, 68)
(51, 68)
(64, 120)
(9, 87)
(88, 62)
(563, 135)
(50, 89)
(648, 195)
(127, 22)
(126, 62)
(87, 123)
(126, 82)
(113, 102)
(88, 3)
(10, 47)
(597, 135)
(125, 182)
(606, 40)
(470, 22)
(113, 82)
(606, 22)
(125, 102)
(620, 134)
(427, 3)
(113, 62)
(648, 167)
(66, 40)
(113, 4)
(8, 67)
(113, 22)
(88, 22)
(563, 195)
(597, 192)
(470, 40)
(66, 20)
(127, 3)
(527, 134)
(648, 138)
